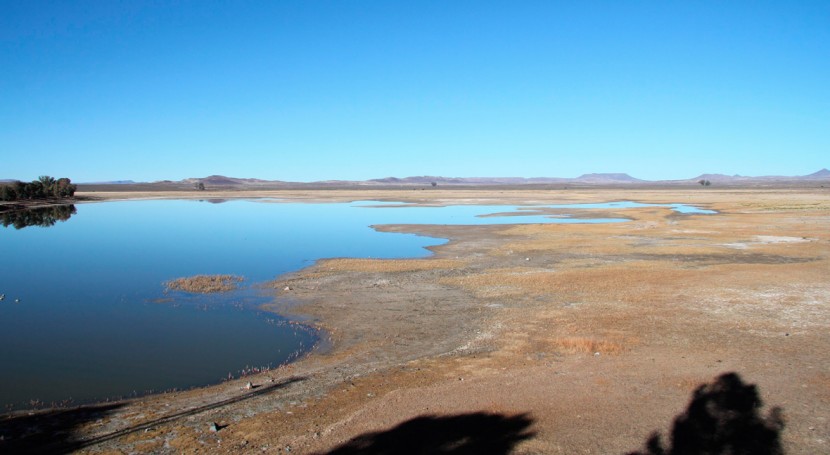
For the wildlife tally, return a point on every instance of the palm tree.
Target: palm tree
(47, 181)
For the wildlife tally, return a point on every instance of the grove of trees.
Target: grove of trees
(45, 187)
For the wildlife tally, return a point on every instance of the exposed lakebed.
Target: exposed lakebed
(93, 319)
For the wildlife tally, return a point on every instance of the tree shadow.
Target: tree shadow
(50, 431)
(55, 431)
(722, 419)
(474, 433)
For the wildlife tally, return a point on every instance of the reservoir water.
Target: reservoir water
(85, 315)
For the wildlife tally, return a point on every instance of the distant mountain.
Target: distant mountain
(420, 180)
(221, 180)
(611, 178)
(586, 178)
(595, 179)
(822, 174)
(112, 182)
(718, 177)
(428, 180)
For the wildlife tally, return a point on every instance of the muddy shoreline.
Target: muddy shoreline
(576, 326)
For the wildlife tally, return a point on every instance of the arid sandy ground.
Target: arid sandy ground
(560, 338)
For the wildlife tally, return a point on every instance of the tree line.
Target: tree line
(45, 187)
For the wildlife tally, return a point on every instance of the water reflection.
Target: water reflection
(41, 216)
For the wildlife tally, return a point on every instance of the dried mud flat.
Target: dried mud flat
(559, 338)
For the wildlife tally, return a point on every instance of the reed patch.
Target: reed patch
(204, 284)
(579, 345)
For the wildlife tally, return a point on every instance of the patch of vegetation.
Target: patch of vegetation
(45, 187)
(204, 284)
(579, 345)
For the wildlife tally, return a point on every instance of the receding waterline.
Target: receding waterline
(513, 214)
(92, 319)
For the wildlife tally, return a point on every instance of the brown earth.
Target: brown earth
(203, 284)
(559, 338)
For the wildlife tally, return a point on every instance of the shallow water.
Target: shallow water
(93, 320)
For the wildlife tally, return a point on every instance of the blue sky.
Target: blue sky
(315, 90)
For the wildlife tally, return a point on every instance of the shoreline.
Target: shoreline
(474, 319)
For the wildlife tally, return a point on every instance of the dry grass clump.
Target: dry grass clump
(389, 265)
(204, 284)
(578, 345)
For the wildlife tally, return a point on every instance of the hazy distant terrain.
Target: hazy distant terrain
(586, 180)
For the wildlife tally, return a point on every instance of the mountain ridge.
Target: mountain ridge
(590, 179)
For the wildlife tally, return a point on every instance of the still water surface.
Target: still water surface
(93, 321)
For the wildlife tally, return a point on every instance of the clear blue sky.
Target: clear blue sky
(313, 90)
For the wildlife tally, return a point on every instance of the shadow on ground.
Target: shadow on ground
(56, 431)
(722, 419)
(475, 433)
(50, 431)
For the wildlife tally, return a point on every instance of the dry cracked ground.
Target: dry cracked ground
(556, 339)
